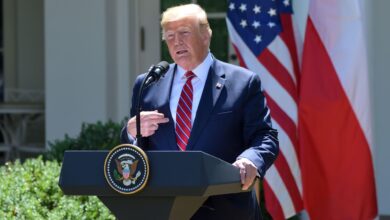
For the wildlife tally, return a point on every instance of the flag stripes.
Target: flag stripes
(277, 67)
(269, 83)
(281, 74)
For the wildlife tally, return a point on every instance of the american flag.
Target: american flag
(263, 37)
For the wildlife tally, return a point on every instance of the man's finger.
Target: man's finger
(152, 114)
(159, 120)
(242, 170)
(248, 180)
(243, 176)
(248, 172)
(153, 117)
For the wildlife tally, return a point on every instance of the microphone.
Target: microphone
(156, 72)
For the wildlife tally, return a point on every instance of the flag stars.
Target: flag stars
(232, 6)
(286, 2)
(243, 7)
(272, 12)
(257, 39)
(256, 24)
(271, 24)
(243, 23)
(256, 9)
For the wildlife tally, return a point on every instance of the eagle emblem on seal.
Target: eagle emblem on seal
(126, 169)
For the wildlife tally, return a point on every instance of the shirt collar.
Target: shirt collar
(201, 71)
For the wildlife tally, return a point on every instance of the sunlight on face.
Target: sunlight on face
(187, 42)
(182, 32)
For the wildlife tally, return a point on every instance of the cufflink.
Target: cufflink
(218, 86)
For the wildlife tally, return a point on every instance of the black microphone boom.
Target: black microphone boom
(156, 72)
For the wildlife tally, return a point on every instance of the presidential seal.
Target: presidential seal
(126, 169)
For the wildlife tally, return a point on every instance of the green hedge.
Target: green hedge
(30, 190)
(96, 136)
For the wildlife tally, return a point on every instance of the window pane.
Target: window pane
(213, 6)
(219, 41)
(169, 3)
(165, 53)
(1, 57)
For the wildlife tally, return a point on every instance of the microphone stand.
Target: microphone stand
(140, 141)
(153, 75)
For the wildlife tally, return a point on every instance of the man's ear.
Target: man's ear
(206, 37)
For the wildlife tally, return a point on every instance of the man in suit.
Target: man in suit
(207, 105)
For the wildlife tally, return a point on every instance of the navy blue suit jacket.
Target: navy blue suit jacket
(232, 121)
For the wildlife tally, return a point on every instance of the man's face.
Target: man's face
(187, 44)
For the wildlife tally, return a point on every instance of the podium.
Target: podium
(179, 183)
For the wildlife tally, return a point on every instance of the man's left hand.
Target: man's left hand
(248, 172)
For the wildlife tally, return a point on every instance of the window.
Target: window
(1, 54)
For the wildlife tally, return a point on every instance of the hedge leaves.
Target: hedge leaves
(30, 190)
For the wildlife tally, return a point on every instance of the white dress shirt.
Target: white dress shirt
(198, 82)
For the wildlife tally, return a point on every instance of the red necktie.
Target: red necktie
(183, 113)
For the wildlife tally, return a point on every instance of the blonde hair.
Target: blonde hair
(184, 11)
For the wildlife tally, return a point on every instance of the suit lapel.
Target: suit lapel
(212, 89)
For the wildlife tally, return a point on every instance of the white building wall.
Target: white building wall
(378, 33)
(92, 55)
(75, 65)
(120, 64)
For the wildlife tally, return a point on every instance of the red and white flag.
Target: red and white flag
(321, 110)
(334, 114)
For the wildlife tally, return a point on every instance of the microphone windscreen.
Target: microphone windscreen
(164, 65)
